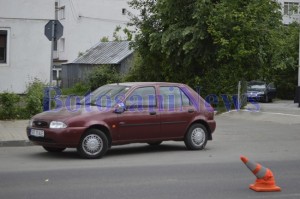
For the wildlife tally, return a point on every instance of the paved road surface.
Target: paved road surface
(168, 171)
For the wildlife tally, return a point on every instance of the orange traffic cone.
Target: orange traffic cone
(265, 181)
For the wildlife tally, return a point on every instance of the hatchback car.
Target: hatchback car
(261, 91)
(123, 113)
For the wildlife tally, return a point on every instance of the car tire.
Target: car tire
(93, 144)
(196, 137)
(270, 99)
(155, 143)
(53, 149)
(267, 98)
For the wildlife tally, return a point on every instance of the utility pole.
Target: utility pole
(52, 48)
(297, 97)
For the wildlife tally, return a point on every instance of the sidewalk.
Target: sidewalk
(13, 133)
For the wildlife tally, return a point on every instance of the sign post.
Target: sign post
(53, 31)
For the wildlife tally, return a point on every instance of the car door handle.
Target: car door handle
(191, 111)
(152, 113)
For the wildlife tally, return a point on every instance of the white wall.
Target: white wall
(29, 49)
(86, 22)
(286, 19)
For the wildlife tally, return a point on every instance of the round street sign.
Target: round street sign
(54, 30)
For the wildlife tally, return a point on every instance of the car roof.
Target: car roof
(256, 82)
(134, 84)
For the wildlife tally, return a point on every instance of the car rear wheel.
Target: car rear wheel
(53, 149)
(155, 143)
(196, 137)
(93, 144)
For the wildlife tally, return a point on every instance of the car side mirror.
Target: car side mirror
(120, 108)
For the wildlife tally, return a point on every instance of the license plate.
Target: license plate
(37, 133)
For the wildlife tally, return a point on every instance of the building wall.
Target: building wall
(75, 73)
(126, 64)
(28, 49)
(86, 22)
(288, 15)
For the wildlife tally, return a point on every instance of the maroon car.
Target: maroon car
(122, 113)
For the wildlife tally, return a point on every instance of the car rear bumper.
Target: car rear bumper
(212, 127)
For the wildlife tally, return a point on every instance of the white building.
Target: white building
(24, 50)
(290, 10)
(85, 23)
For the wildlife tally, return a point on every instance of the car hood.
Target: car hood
(255, 91)
(64, 114)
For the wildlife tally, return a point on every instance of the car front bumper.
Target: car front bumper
(67, 137)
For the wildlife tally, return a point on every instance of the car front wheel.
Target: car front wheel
(93, 144)
(267, 98)
(196, 137)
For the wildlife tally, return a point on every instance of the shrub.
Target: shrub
(34, 98)
(12, 106)
(9, 106)
(78, 89)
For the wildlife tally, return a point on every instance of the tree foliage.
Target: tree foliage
(104, 74)
(211, 43)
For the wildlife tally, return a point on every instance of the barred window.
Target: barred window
(3, 45)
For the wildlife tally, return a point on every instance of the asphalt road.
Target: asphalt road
(168, 171)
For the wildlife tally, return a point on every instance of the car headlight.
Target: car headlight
(57, 125)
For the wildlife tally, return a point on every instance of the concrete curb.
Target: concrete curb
(16, 143)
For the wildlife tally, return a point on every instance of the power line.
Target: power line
(73, 10)
(103, 19)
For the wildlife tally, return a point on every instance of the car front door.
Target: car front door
(271, 90)
(140, 120)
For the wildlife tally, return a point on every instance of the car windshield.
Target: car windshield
(106, 96)
(257, 86)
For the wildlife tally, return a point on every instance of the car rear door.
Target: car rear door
(176, 111)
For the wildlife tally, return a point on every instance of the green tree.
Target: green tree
(212, 43)
(104, 39)
(104, 74)
(117, 35)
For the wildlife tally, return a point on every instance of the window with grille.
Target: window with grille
(291, 8)
(3, 45)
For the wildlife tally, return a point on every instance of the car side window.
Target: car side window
(185, 100)
(143, 97)
(271, 86)
(172, 97)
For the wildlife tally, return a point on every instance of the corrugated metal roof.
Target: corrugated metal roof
(112, 52)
